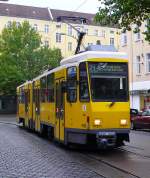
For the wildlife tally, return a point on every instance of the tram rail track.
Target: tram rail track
(97, 158)
(112, 166)
(135, 153)
(9, 123)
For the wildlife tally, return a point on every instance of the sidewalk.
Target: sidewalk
(8, 118)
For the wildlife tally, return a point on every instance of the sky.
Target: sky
(87, 6)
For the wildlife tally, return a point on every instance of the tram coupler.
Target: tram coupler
(106, 139)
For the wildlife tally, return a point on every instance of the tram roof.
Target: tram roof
(92, 55)
(25, 83)
(76, 59)
(54, 70)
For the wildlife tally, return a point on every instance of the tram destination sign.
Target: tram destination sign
(107, 67)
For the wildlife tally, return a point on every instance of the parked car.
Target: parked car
(141, 120)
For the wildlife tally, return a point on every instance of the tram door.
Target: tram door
(37, 109)
(60, 111)
(26, 106)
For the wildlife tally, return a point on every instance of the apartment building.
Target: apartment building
(138, 51)
(59, 34)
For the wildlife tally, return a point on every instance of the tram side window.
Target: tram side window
(33, 91)
(83, 83)
(43, 89)
(50, 87)
(72, 84)
(27, 95)
(22, 96)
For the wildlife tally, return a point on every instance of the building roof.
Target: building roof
(56, 13)
(12, 10)
(30, 12)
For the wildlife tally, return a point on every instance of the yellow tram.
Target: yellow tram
(83, 101)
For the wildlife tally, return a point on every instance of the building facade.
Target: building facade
(59, 34)
(138, 50)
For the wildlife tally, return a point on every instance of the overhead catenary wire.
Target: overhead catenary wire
(79, 6)
(75, 10)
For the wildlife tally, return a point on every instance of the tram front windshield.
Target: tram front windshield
(108, 81)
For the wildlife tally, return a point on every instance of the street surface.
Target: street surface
(24, 155)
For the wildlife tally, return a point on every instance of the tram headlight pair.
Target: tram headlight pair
(123, 122)
(97, 122)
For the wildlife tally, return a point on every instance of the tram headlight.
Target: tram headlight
(123, 122)
(97, 122)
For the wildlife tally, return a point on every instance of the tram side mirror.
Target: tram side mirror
(64, 86)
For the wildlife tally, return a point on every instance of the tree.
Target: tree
(124, 13)
(22, 57)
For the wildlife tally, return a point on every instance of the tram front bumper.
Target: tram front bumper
(101, 138)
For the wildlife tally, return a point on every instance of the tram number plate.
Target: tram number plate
(103, 134)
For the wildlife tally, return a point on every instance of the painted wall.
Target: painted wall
(103, 34)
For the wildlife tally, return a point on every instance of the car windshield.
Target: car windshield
(108, 81)
(146, 113)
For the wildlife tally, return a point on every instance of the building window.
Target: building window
(18, 24)
(8, 25)
(148, 62)
(46, 43)
(112, 42)
(147, 23)
(111, 32)
(58, 26)
(58, 38)
(98, 42)
(69, 30)
(46, 29)
(137, 34)
(89, 44)
(95, 32)
(35, 27)
(103, 33)
(69, 46)
(123, 39)
(138, 65)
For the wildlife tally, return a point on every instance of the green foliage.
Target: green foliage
(22, 57)
(124, 12)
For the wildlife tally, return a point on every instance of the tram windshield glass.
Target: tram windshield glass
(108, 81)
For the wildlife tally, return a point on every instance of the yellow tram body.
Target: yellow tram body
(62, 103)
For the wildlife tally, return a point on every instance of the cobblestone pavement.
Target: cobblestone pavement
(24, 155)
